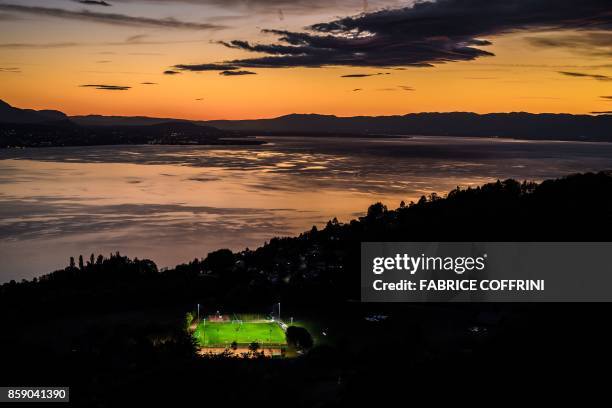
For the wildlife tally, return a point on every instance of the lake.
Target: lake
(175, 203)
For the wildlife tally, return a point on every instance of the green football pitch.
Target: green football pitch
(209, 334)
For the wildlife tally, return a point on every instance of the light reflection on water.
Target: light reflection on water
(174, 203)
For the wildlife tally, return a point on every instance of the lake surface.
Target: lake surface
(175, 203)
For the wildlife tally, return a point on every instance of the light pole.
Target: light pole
(198, 312)
(279, 311)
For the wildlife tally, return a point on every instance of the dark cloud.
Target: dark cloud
(171, 72)
(608, 97)
(602, 113)
(363, 75)
(357, 89)
(236, 73)
(106, 87)
(597, 77)
(205, 67)
(424, 34)
(108, 18)
(405, 88)
(148, 83)
(94, 3)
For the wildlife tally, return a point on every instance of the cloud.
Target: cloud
(405, 88)
(205, 67)
(94, 3)
(171, 72)
(108, 18)
(590, 43)
(424, 34)
(106, 87)
(363, 75)
(39, 45)
(608, 97)
(602, 113)
(12, 70)
(282, 8)
(597, 77)
(357, 89)
(234, 73)
(130, 41)
(148, 83)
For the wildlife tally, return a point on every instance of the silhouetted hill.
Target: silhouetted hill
(113, 328)
(324, 264)
(10, 114)
(67, 133)
(518, 125)
(29, 128)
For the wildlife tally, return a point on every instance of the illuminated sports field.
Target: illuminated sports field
(211, 334)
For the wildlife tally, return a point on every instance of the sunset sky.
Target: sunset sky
(215, 59)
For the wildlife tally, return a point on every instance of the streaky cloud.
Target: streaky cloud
(103, 87)
(12, 70)
(363, 75)
(597, 77)
(108, 18)
(94, 3)
(205, 67)
(236, 73)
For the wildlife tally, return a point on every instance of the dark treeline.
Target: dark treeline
(111, 326)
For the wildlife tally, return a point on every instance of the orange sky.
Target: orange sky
(54, 56)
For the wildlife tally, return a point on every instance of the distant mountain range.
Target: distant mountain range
(15, 115)
(519, 125)
(31, 128)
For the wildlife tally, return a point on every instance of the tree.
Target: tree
(234, 345)
(299, 338)
(72, 262)
(81, 265)
(220, 260)
(377, 210)
(188, 320)
(254, 346)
